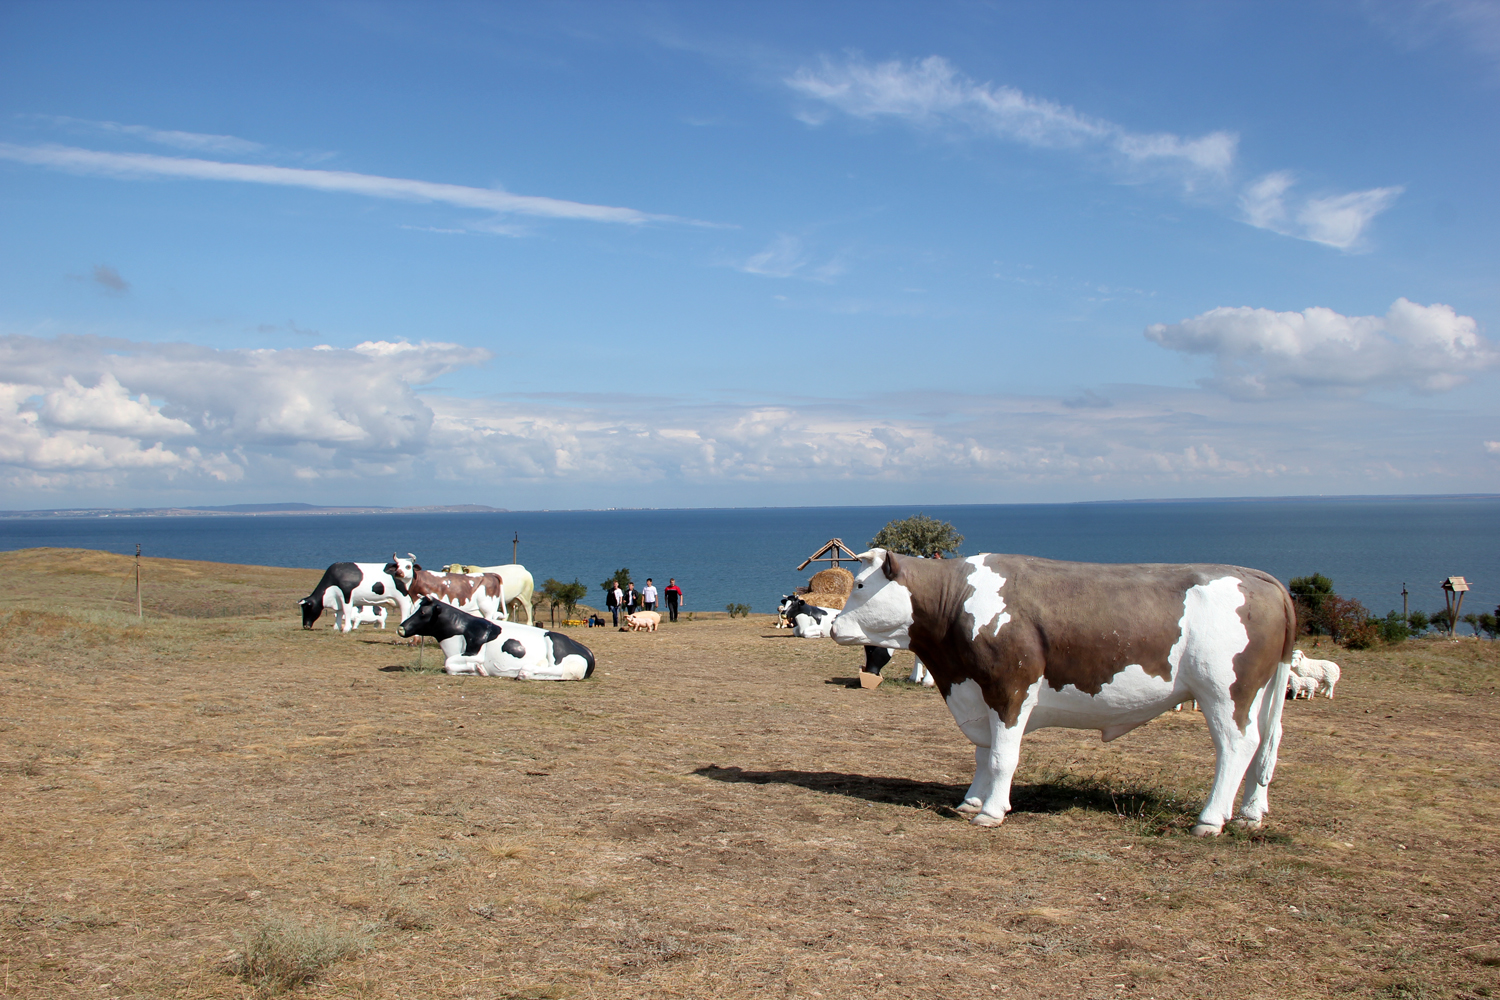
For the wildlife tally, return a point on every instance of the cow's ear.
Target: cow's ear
(890, 567)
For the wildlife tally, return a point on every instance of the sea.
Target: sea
(1371, 547)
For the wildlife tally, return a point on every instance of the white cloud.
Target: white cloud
(932, 93)
(786, 257)
(1259, 352)
(108, 407)
(195, 141)
(134, 166)
(1336, 220)
(349, 421)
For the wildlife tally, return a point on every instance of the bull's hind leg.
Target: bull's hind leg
(1233, 752)
(1256, 803)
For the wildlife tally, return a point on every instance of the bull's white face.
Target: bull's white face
(404, 567)
(878, 612)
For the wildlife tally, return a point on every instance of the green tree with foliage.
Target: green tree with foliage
(1393, 628)
(622, 575)
(918, 536)
(1472, 620)
(1491, 624)
(567, 594)
(1309, 594)
(1418, 622)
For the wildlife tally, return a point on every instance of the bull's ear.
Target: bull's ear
(890, 567)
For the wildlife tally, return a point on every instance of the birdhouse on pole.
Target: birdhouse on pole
(1453, 593)
(834, 552)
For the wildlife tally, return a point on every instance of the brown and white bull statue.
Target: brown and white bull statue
(1017, 643)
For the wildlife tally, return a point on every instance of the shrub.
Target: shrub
(918, 536)
(1309, 594)
(277, 954)
(1345, 620)
(1491, 624)
(1393, 629)
(1418, 622)
(738, 610)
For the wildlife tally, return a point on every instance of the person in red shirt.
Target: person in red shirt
(674, 598)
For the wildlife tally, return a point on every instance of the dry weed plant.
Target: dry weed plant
(278, 954)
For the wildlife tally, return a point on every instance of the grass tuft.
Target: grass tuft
(277, 955)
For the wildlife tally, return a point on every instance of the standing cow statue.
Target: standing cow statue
(347, 586)
(1016, 643)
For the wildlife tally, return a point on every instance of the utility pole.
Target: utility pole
(515, 543)
(138, 612)
(1404, 613)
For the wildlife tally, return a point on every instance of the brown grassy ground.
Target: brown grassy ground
(709, 815)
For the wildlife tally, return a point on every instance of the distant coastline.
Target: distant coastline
(251, 510)
(282, 509)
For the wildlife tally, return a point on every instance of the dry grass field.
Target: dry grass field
(216, 803)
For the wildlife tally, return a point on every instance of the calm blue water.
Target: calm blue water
(1368, 546)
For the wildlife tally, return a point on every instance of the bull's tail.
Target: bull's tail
(1273, 700)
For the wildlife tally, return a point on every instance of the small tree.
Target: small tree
(1472, 620)
(1442, 621)
(1491, 624)
(918, 536)
(1393, 628)
(1418, 621)
(1308, 594)
(571, 593)
(622, 576)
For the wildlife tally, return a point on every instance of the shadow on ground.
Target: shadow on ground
(1054, 796)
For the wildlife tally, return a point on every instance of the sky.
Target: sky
(577, 255)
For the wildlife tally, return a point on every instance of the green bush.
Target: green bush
(1393, 628)
(918, 536)
(738, 610)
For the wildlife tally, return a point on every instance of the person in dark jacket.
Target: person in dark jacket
(674, 597)
(632, 599)
(613, 597)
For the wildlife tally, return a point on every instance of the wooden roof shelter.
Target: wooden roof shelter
(834, 552)
(1454, 587)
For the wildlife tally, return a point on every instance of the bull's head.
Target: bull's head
(878, 611)
(402, 570)
(421, 621)
(311, 610)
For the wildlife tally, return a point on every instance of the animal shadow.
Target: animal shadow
(1043, 797)
(848, 682)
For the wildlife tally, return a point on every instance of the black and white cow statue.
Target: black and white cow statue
(1016, 643)
(473, 645)
(808, 621)
(347, 585)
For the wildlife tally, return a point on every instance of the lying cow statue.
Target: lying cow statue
(473, 645)
(1017, 643)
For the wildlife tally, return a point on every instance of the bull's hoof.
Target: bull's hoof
(1248, 824)
(968, 807)
(1205, 830)
(986, 820)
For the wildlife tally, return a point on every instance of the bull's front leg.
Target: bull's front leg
(472, 666)
(997, 750)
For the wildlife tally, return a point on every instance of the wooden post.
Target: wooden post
(1404, 613)
(515, 543)
(1454, 586)
(138, 612)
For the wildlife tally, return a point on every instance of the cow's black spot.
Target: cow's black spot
(876, 657)
(514, 648)
(564, 646)
(377, 587)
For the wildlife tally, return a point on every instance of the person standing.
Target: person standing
(612, 600)
(674, 597)
(648, 596)
(632, 599)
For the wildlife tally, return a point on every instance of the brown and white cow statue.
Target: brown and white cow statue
(482, 594)
(1017, 643)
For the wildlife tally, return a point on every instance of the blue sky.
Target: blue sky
(581, 255)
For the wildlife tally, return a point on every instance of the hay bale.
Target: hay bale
(833, 580)
(824, 600)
